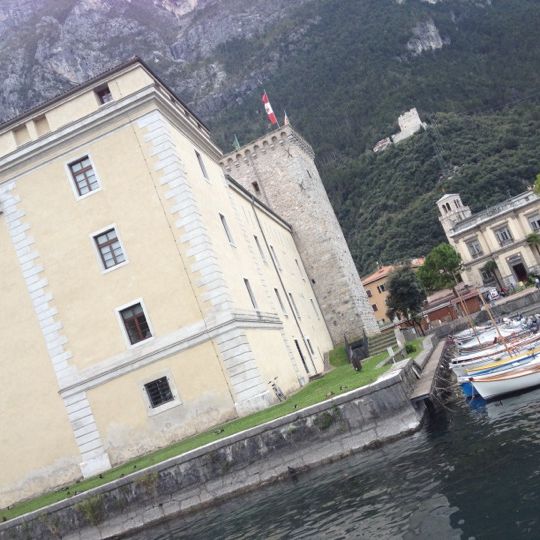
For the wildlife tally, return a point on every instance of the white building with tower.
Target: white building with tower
(500, 233)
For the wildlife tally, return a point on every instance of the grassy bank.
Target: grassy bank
(342, 378)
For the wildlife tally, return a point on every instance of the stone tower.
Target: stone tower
(279, 169)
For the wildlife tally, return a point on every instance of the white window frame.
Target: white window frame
(251, 294)
(118, 309)
(98, 254)
(227, 229)
(310, 346)
(503, 242)
(72, 182)
(474, 253)
(202, 165)
(175, 402)
(535, 218)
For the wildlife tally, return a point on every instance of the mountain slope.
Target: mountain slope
(343, 69)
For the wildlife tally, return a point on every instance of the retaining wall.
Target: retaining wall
(324, 432)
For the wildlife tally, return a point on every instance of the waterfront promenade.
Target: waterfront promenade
(332, 429)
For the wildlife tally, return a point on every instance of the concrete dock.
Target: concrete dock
(424, 387)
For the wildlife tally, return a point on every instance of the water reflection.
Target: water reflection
(472, 472)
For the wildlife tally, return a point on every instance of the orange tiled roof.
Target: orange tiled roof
(382, 272)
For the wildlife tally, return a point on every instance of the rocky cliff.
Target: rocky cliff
(343, 69)
(47, 46)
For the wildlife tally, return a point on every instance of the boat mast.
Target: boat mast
(490, 314)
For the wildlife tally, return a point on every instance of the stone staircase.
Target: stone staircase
(380, 342)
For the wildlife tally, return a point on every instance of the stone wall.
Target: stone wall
(280, 170)
(324, 432)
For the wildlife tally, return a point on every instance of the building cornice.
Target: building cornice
(103, 77)
(160, 348)
(244, 193)
(282, 135)
(500, 251)
(493, 214)
(130, 107)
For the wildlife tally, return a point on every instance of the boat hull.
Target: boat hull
(492, 386)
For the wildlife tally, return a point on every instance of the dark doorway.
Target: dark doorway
(301, 355)
(520, 271)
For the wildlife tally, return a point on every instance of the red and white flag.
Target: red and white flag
(268, 108)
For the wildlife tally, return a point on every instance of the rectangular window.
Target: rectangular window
(274, 257)
(293, 303)
(103, 94)
(310, 346)
(301, 355)
(315, 309)
(135, 323)
(503, 236)
(259, 247)
(251, 295)
(380, 288)
(534, 222)
(159, 392)
(227, 230)
(487, 277)
(201, 164)
(281, 305)
(110, 249)
(475, 249)
(374, 307)
(369, 293)
(83, 175)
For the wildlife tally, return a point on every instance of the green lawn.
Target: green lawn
(339, 380)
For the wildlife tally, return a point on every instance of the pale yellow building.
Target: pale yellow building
(145, 295)
(496, 234)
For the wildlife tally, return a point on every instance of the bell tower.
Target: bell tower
(279, 169)
(451, 211)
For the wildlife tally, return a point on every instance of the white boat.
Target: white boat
(498, 384)
(489, 337)
(507, 364)
(469, 333)
(517, 352)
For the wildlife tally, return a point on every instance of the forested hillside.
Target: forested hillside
(386, 202)
(353, 75)
(343, 69)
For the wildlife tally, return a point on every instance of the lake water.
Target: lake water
(472, 472)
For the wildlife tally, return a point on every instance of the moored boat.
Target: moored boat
(498, 384)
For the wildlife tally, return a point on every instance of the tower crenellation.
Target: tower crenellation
(279, 169)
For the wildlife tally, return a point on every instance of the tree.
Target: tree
(441, 268)
(533, 240)
(491, 268)
(405, 295)
(536, 187)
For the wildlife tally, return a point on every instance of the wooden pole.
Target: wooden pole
(466, 311)
(486, 306)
